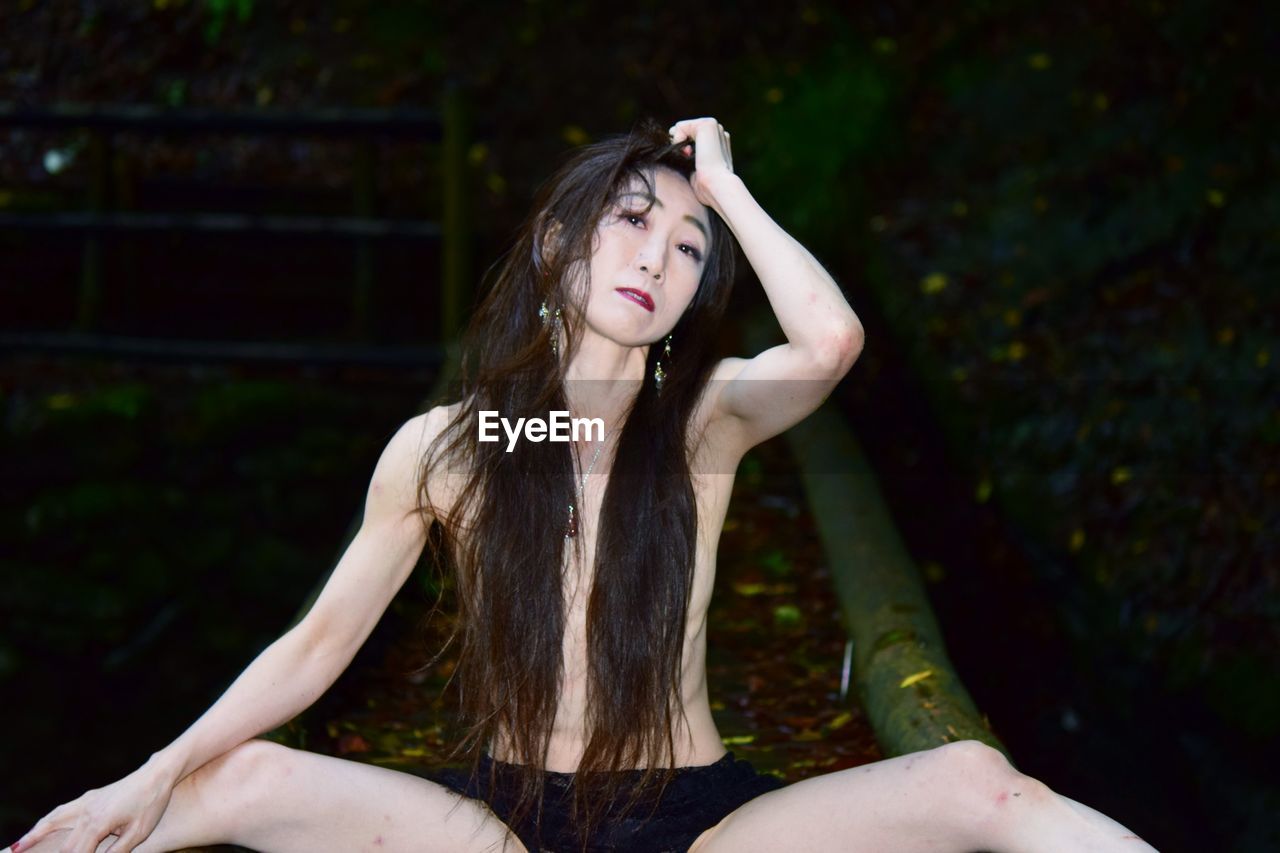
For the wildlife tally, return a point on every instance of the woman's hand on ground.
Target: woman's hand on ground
(712, 152)
(129, 808)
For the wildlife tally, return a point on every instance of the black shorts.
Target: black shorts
(696, 799)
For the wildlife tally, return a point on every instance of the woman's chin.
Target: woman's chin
(629, 331)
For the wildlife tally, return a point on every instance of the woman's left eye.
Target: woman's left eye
(692, 252)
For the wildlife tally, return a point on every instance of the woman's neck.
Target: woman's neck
(603, 380)
(598, 358)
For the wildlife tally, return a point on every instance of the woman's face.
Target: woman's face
(647, 265)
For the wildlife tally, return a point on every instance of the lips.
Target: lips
(639, 297)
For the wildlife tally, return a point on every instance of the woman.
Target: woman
(584, 570)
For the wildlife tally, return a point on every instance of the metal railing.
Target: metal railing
(447, 129)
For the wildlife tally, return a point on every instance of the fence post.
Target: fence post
(455, 237)
(91, 264)
(128, 269)
(365, 191)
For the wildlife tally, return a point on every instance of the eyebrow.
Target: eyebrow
(688, 216)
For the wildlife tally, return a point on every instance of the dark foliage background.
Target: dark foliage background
(1064, 215)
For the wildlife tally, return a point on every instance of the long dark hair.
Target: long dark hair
(505, 533)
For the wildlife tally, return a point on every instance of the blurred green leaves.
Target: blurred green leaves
(1091, 234)
(220, 11)
(815, 123)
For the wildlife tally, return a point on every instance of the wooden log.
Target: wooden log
(904, 679)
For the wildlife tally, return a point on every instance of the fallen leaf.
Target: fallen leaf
(350, 743)
(840, 720)
(912, 679)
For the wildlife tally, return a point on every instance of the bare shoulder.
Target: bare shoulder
(729, 368)
(725, 370)
(393, 489)
(422, 429)
(714, 434)
(428, 425)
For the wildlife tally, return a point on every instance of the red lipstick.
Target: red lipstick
(640, 297)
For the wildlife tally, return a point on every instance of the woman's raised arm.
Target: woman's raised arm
(760, 397)
(291, 673)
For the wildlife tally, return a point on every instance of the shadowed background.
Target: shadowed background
(1057, 223)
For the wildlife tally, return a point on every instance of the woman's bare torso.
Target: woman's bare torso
(697, 742)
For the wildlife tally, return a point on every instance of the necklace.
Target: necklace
(572, 530)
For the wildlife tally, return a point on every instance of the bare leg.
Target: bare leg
(960, 797)
(268, 797)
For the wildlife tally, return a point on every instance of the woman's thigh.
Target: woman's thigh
(941, 799)
(273, 798)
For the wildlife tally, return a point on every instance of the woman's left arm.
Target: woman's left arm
(782, 385)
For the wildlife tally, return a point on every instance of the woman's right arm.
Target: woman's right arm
(295, 670)
(291, 673)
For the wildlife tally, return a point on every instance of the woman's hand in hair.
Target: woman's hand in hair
(710, 146)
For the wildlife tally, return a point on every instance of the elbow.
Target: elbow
(316, 639)
(842, 348)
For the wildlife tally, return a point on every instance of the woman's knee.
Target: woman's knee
(249, 757)
(242, 771)
(973, 759)
(970, 770)
(237, 790)
(986, 786)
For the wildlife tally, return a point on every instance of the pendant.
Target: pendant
(572, 530)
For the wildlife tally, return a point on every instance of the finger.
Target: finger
(697, 135)
(42, 829)
(112, 842)
(123, 844)
(708, 128)
(86, 837)
(680, 133)
(689, 128)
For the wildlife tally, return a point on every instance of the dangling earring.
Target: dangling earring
(658, 373)
(545, 314)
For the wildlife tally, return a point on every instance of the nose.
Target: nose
(650, 262)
